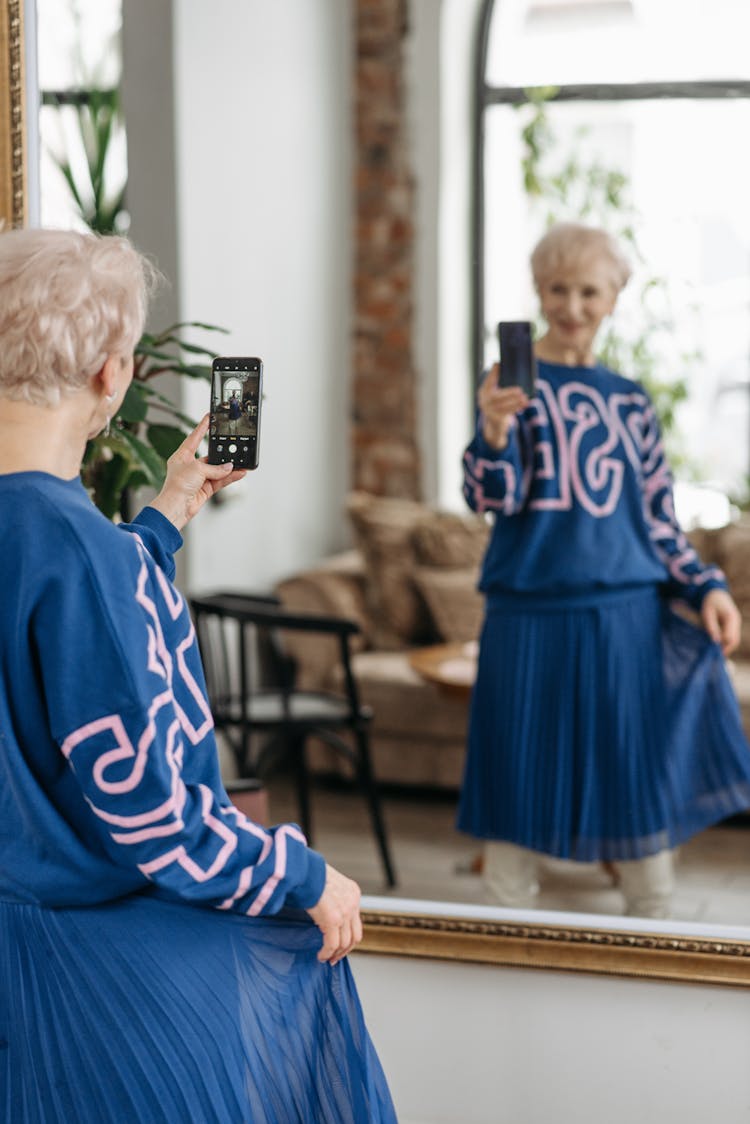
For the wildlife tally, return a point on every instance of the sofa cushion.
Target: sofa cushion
(383, 531)
(334, 589)
(443, 538)
(456, 606)
(732, 553)
(404, 703)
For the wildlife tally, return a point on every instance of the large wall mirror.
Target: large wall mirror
(568, 941)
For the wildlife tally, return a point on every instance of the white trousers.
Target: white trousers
(511, 879)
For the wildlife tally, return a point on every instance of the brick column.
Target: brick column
(385, 453)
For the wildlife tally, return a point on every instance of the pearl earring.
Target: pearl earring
(108, 398)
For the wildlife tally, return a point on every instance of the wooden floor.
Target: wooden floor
(433, 860)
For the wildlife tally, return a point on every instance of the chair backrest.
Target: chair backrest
(239, 657)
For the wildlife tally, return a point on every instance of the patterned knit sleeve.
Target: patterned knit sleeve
(127, 705)
(160, 537)
(689, 578)
(496, 480)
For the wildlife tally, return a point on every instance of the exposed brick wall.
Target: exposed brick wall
(385, 452)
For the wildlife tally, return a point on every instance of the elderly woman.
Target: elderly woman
(603, 725)
(161, 956)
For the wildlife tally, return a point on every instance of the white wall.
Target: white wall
(252, 107)
(263, 247)
(264, 220)
(486, 1045)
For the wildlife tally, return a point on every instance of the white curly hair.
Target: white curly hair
(569, 243)
(67, 301)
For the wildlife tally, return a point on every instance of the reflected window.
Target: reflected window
(655, 94)
(83, 148)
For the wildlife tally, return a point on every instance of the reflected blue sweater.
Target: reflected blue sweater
(582, 494)
(109, 779)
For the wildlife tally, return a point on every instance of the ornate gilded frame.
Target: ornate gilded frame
(13, 203)
(567, 947)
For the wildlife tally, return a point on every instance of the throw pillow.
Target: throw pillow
(455, 604)
(383, 528)
(445, 539)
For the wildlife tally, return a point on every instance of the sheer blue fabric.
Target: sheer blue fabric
(151, 1011)
(603, 727)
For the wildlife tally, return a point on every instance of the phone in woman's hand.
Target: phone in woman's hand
(517, 359)
(234, 426)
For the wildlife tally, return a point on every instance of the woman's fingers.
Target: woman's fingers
(337, 916)
(721, 620)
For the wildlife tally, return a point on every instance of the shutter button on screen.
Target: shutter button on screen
(232, 448)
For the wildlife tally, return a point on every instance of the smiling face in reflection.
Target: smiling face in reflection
(575, 297)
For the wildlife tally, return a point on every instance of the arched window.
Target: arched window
(656, 95)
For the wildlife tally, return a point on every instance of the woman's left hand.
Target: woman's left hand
(721, 619)
(190, 481)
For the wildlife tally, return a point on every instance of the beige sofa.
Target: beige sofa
(410, 581)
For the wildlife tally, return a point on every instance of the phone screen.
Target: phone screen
(234, 429)
(517, 359)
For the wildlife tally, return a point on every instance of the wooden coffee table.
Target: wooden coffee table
(451, 667)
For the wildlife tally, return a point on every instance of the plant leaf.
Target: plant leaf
(165, 439)
(135, 405)
(146, 458)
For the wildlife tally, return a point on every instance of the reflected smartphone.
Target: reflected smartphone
(234, 426)
(517, 359)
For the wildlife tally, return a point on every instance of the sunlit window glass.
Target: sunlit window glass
(83, 151)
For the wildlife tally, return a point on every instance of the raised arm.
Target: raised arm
(494, 477)
(136, 731)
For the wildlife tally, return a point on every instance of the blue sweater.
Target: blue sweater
(109, 779)
(582, 494)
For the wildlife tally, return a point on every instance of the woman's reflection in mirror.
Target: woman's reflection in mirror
(603, 725)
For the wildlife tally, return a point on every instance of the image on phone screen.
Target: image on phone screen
(234, 427)
(517, 359)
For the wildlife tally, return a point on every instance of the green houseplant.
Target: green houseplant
(149, 425)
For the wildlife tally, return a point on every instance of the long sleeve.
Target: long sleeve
(495, 480)
(160, 537)
(689, 578)
(127, 705)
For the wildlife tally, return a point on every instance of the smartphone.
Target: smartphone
(234, 425)
(517, 359)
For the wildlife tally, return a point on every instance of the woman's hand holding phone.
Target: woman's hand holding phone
(498, 405)
(191, 481)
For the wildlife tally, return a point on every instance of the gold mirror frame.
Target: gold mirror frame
(658, 955)
(393, 932)
(12, 115)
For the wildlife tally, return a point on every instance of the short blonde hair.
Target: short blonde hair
(67, 301)
(567, 243)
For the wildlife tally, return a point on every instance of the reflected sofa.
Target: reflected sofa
(410, 581)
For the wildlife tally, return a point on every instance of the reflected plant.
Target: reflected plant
(99, 203)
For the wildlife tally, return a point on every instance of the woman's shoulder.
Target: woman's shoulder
(620, 383)
(49, 520)
(599, 377)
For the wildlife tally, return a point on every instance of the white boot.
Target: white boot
(647, 885)
(510, 875)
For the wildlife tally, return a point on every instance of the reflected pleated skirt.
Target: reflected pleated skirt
(150, 1012)
(602, 728)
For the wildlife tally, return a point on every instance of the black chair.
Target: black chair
(254, 696)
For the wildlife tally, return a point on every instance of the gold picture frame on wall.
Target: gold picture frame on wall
(13, 205)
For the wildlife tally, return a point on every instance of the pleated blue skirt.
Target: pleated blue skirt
(603, 727)
(148, 1012)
